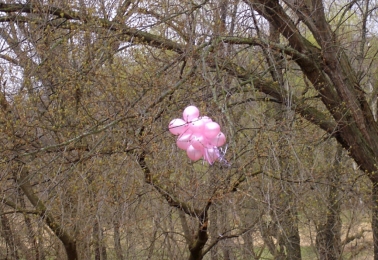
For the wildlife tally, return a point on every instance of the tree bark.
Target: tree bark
(332, 75)
(328, 238)
(32, 238)
(117, 236)
(375, 218)
(99, 248)
(196, 248)
(9, 237)
(68, 242)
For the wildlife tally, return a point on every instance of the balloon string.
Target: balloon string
(221, 158)
(207, 157)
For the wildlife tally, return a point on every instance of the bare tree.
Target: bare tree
(89, 88)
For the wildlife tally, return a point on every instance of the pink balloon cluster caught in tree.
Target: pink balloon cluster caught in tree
(199, 136)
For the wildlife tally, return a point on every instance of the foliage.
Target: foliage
(89, 169)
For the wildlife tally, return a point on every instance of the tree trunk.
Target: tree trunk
(68, 242)
(32, 238)
(7, 233)
(117, 236)
(214, 227)
(290, 233)
(328, 238)
(213, 230)
(224, 223)
(287, 209)
(196, 248)
(375, 219)
(100, 250)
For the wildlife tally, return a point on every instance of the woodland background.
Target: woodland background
(90, 171)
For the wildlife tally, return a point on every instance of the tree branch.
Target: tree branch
(132, 34)
(28, 8)
(172, 201)
(68, 242)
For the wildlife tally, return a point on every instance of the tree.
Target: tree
(87, 85)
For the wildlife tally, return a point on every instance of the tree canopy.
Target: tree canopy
(89, 169)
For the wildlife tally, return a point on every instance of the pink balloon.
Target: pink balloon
(197, 141)
(177, 126)
(190, 113)
(193, 153)
(211, 155)
(206, 141)
(206, 119)
(219, 140)
(211, 130)
(197, 125)
(183, 141)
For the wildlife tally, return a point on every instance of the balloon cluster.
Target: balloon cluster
(199, 136)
